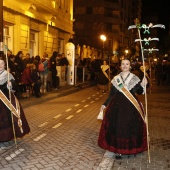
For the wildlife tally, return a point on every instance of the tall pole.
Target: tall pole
(1, 29)
(103, 38)
(103, 50)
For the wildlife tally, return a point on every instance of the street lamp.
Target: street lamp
(126, 52)
(103, 38)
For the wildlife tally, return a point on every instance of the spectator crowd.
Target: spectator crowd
(37, 75)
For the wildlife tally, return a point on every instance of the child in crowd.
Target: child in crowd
(36, 81)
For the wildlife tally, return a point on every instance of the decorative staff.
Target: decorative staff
(146, 109)
(147, 40)
(9, 90)
(146, 30)
(150, 50)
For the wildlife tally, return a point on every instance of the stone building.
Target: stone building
(37, 26)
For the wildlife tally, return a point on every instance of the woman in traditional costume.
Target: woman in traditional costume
(13, 123)
(123, 129)
(104, 77)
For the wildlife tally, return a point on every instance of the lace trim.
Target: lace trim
(4, 77)
(130, 83)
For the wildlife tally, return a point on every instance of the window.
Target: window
(33, 46)
(61, 4)
(109, 27)
(53, 4)
(8, 37)
(89, 10)
(80, 10)
(60, 45)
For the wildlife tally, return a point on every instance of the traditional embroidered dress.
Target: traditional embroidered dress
(123, 129)
(20, 123)
(103, 77)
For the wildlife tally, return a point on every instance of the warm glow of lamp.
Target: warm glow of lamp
(29, 14)
(53, 4)
(126, 52)
(103, 37)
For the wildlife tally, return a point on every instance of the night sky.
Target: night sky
(160, 8)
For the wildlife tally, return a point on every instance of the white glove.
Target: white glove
(144, 82)
(9, 85)
(100, 115)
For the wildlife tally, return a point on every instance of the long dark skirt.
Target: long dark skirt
(123, 130)
(103, 80)
(6, 128)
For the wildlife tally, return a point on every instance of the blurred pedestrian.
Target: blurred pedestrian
(44, 73)
(104, 76)
(7, 106)
(53, 69)
(36, 81)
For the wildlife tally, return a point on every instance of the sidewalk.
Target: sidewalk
(64, 90)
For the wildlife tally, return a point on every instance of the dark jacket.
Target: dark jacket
(53, 62)
(64, 62)
(34, 76)
(18, 64)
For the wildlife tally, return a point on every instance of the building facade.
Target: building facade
(108, 17)
(37, 26)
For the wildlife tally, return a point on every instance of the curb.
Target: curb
(65, 90)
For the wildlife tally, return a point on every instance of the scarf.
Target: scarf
(4, 77)
(131, 81)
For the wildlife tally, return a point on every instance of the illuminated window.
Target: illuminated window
(60, 45)
(6, 35)
(53, 4)
(33, 44)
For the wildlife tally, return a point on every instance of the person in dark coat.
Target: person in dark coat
(29, 79)
(104, 76)
(36, 81)
(12, 66)
(19, 69)
(63, 60)
(53, 69)
(19, 65)
(160, 74)
(27, 60)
